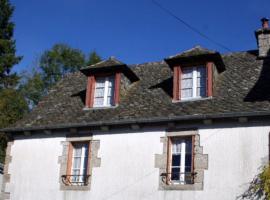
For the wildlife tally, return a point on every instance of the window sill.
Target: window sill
(192, 99)
(100, 108)
(195, 186)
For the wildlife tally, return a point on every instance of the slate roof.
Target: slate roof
(111, 62)
(195, 51)
(243, 89)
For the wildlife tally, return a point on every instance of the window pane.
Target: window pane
(99, 92)
(186, 83)
(201, 92)
(187, 72)
(77, 163)
(100, 82)
(175, 174)
(98, 101)
(201, 82)
(176, 160)
(186, 93)
(188, 161)
(201, 71)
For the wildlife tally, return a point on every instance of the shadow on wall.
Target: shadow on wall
(261, 89)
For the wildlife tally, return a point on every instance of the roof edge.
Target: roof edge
(143, 121)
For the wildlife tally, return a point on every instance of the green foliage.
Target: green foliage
(93, 58)
(33, 88)
(259, 188)
(58, 61)
(265, 181)
(53, 65)
(12, 107)
(7, 46)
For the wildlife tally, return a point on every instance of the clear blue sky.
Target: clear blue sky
(134, 31)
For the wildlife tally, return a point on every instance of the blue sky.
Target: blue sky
(135, 31)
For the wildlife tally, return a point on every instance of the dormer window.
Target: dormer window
(103, 83)
(193, 82)
(104, 91)
(193, 73)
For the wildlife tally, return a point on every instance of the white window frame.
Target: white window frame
(182, 154)
(106, 89)
(83, 164)
(194, 84)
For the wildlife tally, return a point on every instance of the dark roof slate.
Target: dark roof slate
(111, 62)
(195, 51)
(243, 88)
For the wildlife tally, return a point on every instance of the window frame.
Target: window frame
(177, 73)
(106, 89)
(169, 158)
(70, 161)
(90, 91)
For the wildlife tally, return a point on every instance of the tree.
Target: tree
(7, 46)
(259, 188)
(58, 61)
(32, 89)
(12, 108)
(93, 58)
(51, 67)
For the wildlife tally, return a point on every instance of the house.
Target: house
(194, 126)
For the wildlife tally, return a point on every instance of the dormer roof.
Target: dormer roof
(110, 65)
(196, 54)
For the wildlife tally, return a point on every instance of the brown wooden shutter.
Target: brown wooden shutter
(209, 79)
(176, 82)
(90, 90)
(117, 88)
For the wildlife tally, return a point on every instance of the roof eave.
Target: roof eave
(141, 121)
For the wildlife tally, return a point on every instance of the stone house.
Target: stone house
(194, 126)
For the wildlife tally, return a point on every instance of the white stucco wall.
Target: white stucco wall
(127, 169)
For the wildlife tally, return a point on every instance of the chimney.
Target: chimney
(263, 39)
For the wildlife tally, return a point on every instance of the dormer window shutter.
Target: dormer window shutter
(209, 79)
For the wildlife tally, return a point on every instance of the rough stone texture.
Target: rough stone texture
(263, 40)
(200, 163)
(5, 195)
(240, 89)
(94, 161)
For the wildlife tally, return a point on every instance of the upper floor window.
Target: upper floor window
(104, 91)
(193, 82)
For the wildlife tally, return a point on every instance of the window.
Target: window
(193, 82)
(77, 169)
(180, 160)
(104, 92)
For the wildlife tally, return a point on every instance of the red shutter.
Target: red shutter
(176, 82)
(209, 80)
(117, 88)
(92, 92)
(88, 90)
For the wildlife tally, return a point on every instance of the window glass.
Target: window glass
(181, 160)
(193, 82)
(79, 162)
(104, 91)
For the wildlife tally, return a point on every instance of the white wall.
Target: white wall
(127, 169)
